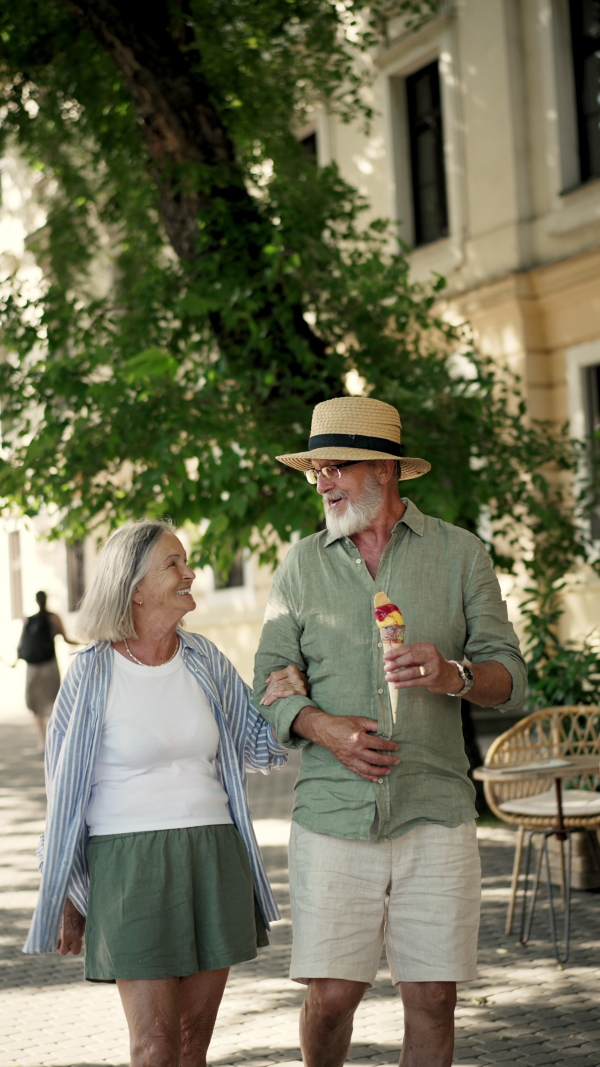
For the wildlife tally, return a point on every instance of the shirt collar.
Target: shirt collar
(413, 518)
(188, 642)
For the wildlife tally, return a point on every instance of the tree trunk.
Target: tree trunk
(193, 159)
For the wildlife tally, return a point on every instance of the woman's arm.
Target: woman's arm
(255, 740)
(285, 683)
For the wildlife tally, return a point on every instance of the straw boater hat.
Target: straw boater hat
(355, 427)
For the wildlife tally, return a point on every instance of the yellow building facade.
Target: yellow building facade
(485, 149)
(518, 239)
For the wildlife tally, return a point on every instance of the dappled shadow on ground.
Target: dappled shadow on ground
(21, 765)
(520, 1010)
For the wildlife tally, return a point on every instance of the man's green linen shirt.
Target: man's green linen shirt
(320, 617)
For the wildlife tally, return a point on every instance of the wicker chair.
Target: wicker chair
(531, 804)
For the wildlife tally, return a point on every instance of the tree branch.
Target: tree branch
(193, 158)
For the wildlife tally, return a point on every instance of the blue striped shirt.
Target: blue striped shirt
(247, 743)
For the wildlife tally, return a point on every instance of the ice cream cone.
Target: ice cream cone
(392, 629)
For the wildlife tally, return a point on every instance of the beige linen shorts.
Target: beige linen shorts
(419, 893)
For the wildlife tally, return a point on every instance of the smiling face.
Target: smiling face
(165, 588)
(351, 502)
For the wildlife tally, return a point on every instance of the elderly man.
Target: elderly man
(383, 845)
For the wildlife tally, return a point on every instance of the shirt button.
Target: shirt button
(380, 781)
(359, 561)
(380, 690)
(379, 644)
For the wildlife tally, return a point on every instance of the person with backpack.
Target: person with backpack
(36, 647)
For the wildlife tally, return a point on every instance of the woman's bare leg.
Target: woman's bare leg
(151, 1008)
(200, 998)
(171, 1020)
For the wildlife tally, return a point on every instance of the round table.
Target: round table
(556, 769)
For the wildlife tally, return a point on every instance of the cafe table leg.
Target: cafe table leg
(527, 913)
(561, 837)
(567, 898)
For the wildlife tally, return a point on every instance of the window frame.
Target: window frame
(581, 49)
(238, 569)
(579, 360)
(417, 126)
(437, 41)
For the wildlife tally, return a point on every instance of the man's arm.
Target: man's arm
(404, 668)
(278, 648)
(350, 738)
(296, 721)
(492, 649)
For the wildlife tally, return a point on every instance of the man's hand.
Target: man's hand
(285, 683)
(72, 929)
(423, 666)
(350, 739)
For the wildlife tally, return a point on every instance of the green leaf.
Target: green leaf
(151, 363)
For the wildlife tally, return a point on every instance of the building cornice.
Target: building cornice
(399, 45)
(547, 280)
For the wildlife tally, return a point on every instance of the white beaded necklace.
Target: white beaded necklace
(142, 664)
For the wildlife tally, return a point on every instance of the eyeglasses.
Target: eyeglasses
(330, 473)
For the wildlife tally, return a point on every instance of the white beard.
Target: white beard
(357, 515)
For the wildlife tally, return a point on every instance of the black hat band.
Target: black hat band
(355, 440)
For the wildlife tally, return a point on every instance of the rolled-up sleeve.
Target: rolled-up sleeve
(279, 647)
(490, 634)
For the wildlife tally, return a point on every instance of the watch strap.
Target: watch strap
(466, 675)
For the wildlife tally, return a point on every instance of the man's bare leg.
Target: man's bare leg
(326, 1020)
(428, 1023)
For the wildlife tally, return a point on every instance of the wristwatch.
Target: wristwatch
(466, 675)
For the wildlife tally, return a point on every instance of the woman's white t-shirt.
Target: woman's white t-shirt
(155, 768)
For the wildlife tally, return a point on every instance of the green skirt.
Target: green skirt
(168, 903)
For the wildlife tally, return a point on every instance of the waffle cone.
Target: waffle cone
(388, 645)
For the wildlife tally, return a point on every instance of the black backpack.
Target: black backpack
(37, 643)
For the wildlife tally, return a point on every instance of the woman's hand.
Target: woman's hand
(285, 683)
(72, 928)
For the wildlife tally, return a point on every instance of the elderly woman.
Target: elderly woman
(148, 829)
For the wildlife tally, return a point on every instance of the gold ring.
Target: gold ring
(422, 671)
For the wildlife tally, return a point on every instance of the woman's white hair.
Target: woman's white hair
(106, 612)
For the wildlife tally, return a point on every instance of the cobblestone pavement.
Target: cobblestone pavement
(521, 1010)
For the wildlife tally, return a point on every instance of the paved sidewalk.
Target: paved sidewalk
(521, 1010)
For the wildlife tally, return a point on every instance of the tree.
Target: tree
(244, 284)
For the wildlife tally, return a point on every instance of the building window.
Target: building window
(75, 574)
(16, 577)
(427, 155)
(235, 577)
(593, 419)
(309, 144)
(585, 42)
